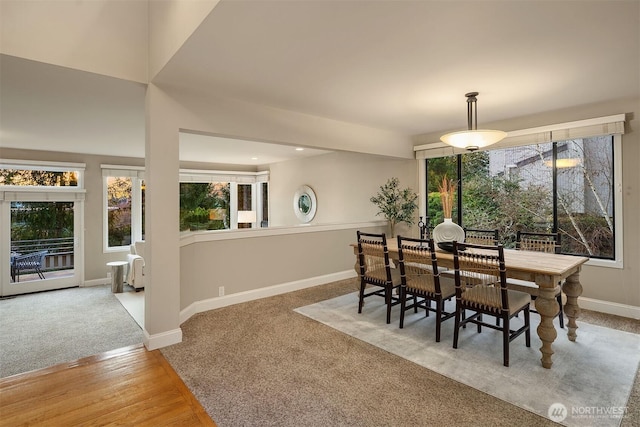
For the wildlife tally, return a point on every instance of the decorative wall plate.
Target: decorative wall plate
(305, 204)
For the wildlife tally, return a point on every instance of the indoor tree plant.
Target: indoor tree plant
(395, 204)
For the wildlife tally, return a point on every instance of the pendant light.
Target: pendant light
(473, 139)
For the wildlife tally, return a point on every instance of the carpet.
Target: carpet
(47, 328)
(590, 380)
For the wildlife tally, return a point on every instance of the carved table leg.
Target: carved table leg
(547, 306)
(573, 289)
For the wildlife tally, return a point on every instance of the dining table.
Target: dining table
(548, 270)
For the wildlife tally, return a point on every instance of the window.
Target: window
(204, 206)
(209, 200)
(42, 205)
(124, 206)
(565, 186)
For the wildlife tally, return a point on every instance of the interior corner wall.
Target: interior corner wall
(171, 22)
(79, 36)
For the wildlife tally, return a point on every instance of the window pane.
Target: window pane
(204, 206)
(265, 205)
(509, 190)
(244, 202)
(585, 196)
(38, 178)
(42, 226)
(119, 211)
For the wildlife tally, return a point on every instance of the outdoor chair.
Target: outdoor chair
(420, 278)
(375, 270)
(481, 287)
(538, 242)
(33, 262)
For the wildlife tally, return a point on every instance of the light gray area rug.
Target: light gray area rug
(133, 302)
(47, 328)
(591, 377)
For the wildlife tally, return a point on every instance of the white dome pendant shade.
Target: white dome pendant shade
(473, 139)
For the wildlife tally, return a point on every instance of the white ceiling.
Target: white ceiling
(398, 65)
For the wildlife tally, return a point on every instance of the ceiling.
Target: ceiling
(398, 65)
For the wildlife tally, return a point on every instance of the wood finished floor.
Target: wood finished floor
(129, 386)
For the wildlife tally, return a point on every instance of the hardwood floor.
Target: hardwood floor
(129, 386)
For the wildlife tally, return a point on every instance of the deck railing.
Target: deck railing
(60, 256)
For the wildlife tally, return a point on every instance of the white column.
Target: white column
(162, 236)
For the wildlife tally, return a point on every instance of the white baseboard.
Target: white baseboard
(608, 307)
(164, 339)
(231, 299)
(96, 282)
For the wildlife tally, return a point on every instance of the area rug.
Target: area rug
(589, 382)
(133, 302)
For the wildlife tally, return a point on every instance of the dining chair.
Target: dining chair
(481, 287)
(420, 278)
(481, 237)
(375, 270)
(538, 242)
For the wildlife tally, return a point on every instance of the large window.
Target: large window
(209, 200)
(565, 186)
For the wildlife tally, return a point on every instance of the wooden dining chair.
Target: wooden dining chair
(421, 281)
(481, 287)
(375, 270)
(481, 237)
(538, 242)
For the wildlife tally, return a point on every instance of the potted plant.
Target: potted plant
(395, 204)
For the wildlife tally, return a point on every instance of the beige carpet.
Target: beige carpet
(592, 377)
(261, 363)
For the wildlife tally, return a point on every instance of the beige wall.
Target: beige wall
(256, 262)
(621, 286)
(343, 184)
(79, 36)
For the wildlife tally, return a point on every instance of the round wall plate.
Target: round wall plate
(305, 203)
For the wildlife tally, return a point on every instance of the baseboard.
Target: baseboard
(164, 339)
(240, 297)
(608, 307)
(96, 282)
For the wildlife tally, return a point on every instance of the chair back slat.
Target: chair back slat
(538, 242)
(481, 268)
(373, 257)
(418, 264)
(481, 237)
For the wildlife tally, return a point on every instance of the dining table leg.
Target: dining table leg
(573, 289)
(547, 307)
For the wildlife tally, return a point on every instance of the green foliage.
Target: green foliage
(395, 204)
(196, 201)
(41, 220)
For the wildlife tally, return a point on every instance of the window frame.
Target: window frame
(136, 173)
(429, 151)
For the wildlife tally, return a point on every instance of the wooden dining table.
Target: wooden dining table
(548, 271)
